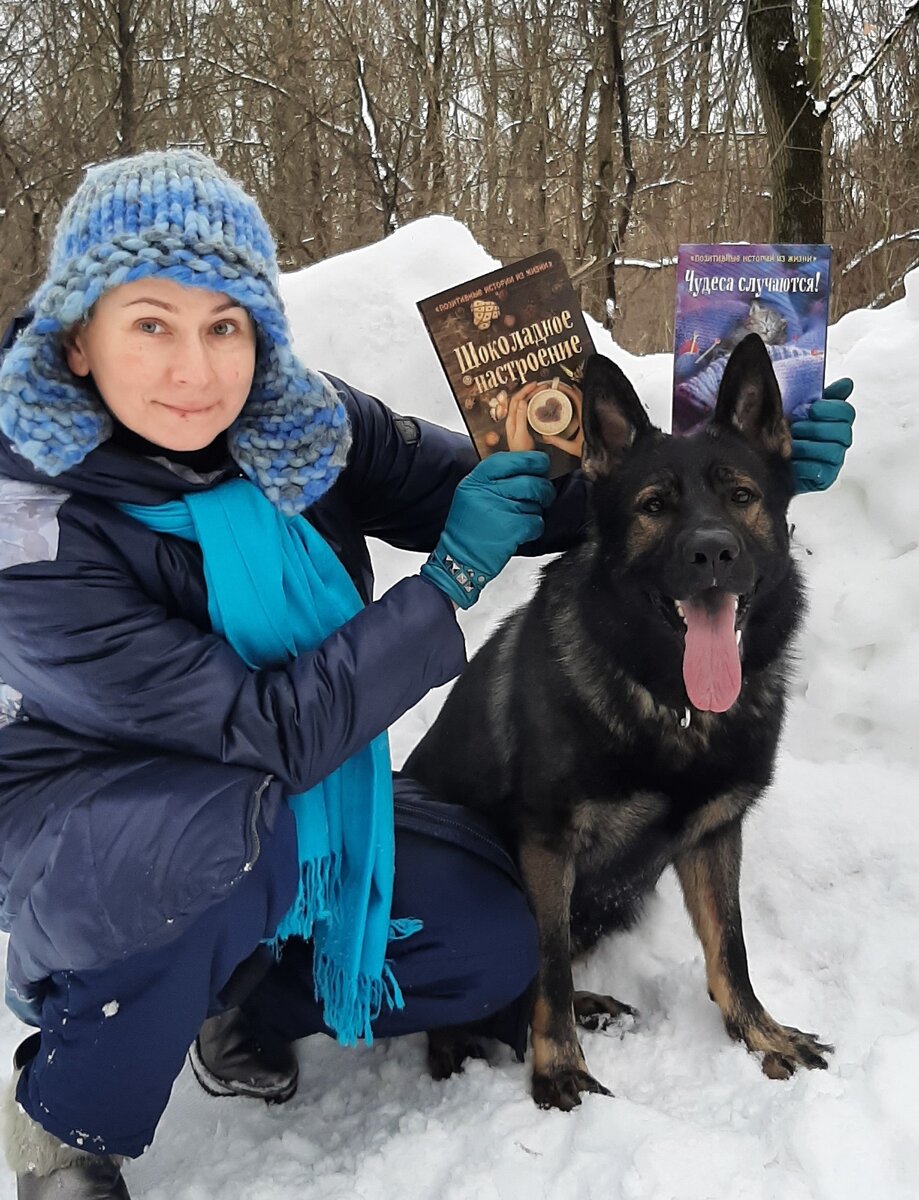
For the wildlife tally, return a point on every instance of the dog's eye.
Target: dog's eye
(651, 505)
(742, 495)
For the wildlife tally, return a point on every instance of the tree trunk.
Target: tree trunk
(814, 46)
(617, 30)
(794, 128)
(599, 236)
(606, 240)
(125, 47)
(429, 38)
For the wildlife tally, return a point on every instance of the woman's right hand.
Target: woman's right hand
(495, 509)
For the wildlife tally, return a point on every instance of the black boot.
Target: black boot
(94, 1177)
(47, 1169)
(229, 1060)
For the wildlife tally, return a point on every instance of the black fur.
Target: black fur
(569, 726)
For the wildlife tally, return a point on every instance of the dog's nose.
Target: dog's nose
(711, 552)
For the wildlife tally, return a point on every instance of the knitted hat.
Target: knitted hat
(174, 214)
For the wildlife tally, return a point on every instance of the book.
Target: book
(512, 345)
(727, 291)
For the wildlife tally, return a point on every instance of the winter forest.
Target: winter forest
(610, 130)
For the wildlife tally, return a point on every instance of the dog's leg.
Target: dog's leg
(559, 1071)
(709, 873)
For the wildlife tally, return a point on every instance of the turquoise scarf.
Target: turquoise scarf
(275, 590)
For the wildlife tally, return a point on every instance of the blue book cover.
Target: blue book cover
(729, 290)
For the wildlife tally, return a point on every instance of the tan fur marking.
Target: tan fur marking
(757, 520)
(779, 440)
(753, 515)
(713, 815)
(548, 1054)
(540, 1020)
(650, 492)
(645, 533)
(768, 1037)
(549, 877)
(703, 911)
(545, 1051)
(603, 829)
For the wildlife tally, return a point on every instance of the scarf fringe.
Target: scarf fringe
(318, 897)
(404, 927)
(350, 1006)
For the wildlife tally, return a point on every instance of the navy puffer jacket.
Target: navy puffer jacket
(141, 761)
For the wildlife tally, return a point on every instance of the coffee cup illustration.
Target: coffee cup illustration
(551, 413)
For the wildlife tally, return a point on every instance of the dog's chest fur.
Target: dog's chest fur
(620, 848)
(645, 827)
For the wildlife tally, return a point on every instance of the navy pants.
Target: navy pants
(113, 1041)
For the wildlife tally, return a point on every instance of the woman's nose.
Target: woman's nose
(192, 363)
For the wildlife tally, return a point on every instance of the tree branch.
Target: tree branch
(863, 71)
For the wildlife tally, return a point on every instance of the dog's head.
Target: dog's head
(693, 529)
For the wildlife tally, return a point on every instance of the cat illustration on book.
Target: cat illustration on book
(761, 318)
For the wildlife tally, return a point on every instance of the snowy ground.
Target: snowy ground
(830, 886)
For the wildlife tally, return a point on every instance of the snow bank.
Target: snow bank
(831, 891)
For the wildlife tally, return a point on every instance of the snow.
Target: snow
(830, 885)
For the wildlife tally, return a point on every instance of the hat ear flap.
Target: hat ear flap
(292, 437)
(51, 418)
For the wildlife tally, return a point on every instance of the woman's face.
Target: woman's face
(173, 363)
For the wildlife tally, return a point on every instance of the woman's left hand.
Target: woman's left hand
(819, 442)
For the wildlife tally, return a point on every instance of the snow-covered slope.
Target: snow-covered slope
(830, 884)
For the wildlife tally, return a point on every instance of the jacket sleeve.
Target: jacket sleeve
(402, 473)
(90, 651)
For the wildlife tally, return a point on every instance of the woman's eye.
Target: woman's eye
(150, 326)
(741, 495)
(224, 328)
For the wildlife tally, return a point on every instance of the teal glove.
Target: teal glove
(819, 443)
(495, 509)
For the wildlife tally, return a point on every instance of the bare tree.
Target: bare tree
(613, 132)
(794, 126)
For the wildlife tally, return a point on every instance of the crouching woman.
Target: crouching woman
(201, 840)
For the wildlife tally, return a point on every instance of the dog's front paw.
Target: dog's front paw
(783, 1047)
(594, 1011)
(561, 1088)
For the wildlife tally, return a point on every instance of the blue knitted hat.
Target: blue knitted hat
(174, 214)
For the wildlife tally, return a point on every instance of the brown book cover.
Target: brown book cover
(513, 345)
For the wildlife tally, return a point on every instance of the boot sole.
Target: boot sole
(215, 1086)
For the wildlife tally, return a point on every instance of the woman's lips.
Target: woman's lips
(186, 412)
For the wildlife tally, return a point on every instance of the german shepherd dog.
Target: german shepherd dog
(628, 716)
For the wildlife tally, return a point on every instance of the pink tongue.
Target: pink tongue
(711, 658)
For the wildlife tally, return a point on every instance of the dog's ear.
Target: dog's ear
(613, 417)
(749, 399)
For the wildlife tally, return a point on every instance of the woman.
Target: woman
(198, 821)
